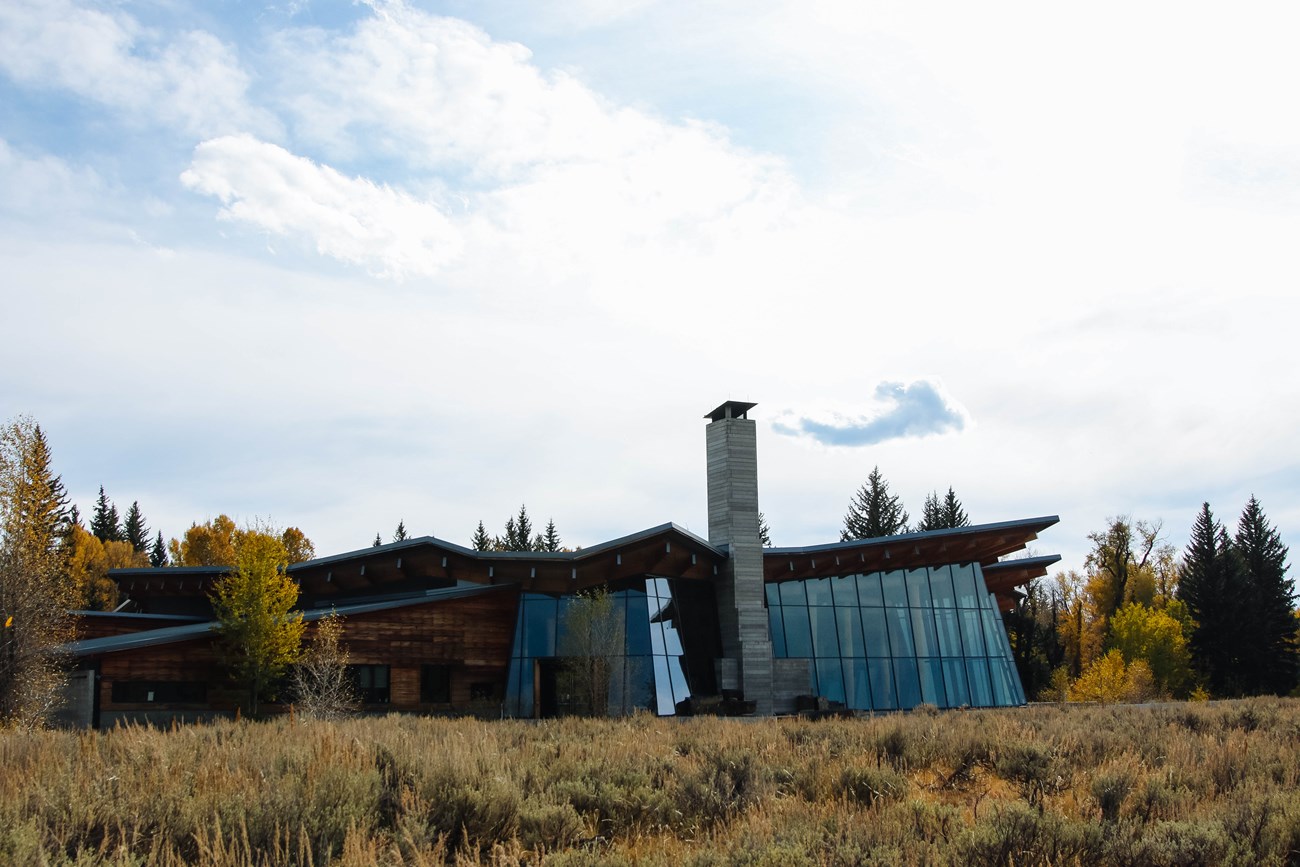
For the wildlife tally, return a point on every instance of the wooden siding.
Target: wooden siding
(471, 636)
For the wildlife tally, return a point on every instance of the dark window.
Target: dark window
(482, 691)
(435, 684)
(160, 692)
(371, 683)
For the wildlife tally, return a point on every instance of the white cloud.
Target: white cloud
(350, 219)
(190, 81)
(42, 184)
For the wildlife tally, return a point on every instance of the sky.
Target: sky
(338, 265)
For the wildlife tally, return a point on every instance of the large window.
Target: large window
(889, 640)
(670, 641)
(370, 682)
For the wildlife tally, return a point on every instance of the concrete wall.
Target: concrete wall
(733, 521)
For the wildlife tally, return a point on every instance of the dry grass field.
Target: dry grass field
(1170, 785)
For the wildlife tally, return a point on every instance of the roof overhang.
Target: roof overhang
(981, 543)
(1003, 578)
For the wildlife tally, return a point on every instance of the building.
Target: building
(878, 624)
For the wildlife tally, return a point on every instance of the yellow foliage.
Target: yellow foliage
(1157, 638)
(1109, 679)
(261, 633)
(218, 542)
(87, 563)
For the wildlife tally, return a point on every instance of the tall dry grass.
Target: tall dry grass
(1173, 785)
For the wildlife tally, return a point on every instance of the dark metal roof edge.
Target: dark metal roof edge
(152, 571)
(1035, 524)
(135, 615)
(1023, 563)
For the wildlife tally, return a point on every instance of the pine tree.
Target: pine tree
(135, 530)
(953, 515)
(551, 539)
(105, 524)
(158, 553)
(764, 531)
(481, 541)
(873, 511)
(378, 541)
(931, 513)
(523, 531)
(400, 535)
(1269, 661)
(1211, 587)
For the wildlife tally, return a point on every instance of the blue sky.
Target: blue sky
(341, 264)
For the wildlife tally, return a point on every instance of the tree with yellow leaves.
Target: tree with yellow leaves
(261, 634)
(217, 542)
(34, 593)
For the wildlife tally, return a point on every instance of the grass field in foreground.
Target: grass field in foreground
(1169, 785)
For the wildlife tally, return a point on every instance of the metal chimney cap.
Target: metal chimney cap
(731, 409)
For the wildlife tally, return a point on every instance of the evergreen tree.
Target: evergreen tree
(873, 511)
(953, 515)
(764, 532)
(135, 530)
(945, 514)
(481, 541)
(550, 540)
(523, 531)
(931, 513)
(1211, 588)
(1269, 662)
(400, 535)
(158, 553)
(105, 524)
(378, 541)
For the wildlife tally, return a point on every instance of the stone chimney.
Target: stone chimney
(733, 522)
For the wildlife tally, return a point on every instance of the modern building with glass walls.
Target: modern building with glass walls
(434, 627)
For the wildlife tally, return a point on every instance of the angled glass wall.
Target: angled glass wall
(893, 640)
(670, 639)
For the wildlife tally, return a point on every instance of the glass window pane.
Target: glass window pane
(972, 631)
(900, 631)
(1003, 693)
(869, 592)
(981, 694)
(657, 638)
(665, 705)
(830, 682)
(963, 581)
(994, 636)
(792, 593)
(539, 626)
(826, 642)
(875, 631)
(949, 633)
(773, 592)
(845, 590)
(883, 696)
(954, 677)
(658, 587)
(907, 683)
(640, 682)
(941, 587)
(932, 681)
(895, 591)
(778, 632)
(923, 632)
(857, 691)
(849, 621)
(918, 588)
(638, 624)
(512, 689)
(798, 639)
(819, 591)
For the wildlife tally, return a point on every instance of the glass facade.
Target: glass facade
(670, 639)
(893, 640)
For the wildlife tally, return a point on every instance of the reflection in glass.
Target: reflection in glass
(918, 588)
(941, 588)
(830, 683)
(963, 581)
(849, 621)
(907, 682)
(981, 694)
(954, 677)
(949, 635)
(792, 593)
(895, 591)
(877, 635)
(972, 631)
(819, 591)
(798, 640)
(845, 591)
(923, 632)
(932, 690)
(900, 631)
(869, 592)
(777, 631)
(882, 684)
(856, 688)
(826, 642)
